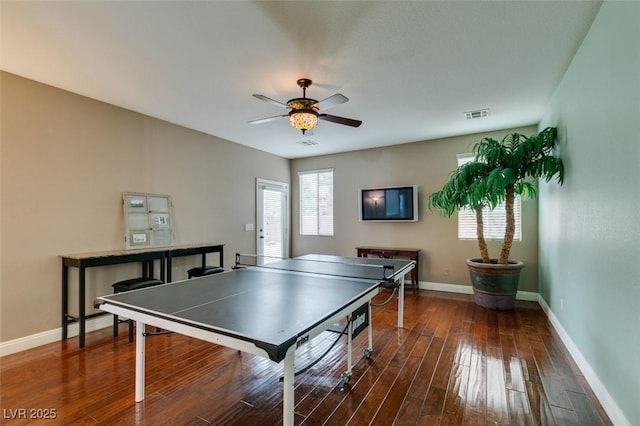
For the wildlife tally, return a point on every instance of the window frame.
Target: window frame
(321, 228)
(494, 220)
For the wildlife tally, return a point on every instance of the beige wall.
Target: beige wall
(65, 162)
(426, 164)
(67, 159)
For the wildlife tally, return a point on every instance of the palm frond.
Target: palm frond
(500, 167)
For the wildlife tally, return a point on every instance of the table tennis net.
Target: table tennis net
(342, 267)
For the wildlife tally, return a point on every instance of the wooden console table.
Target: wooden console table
(145, 256)
(392, 252)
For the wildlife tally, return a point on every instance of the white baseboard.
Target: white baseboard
(29, 342)
(467, 289)
(449, 288)
(608, 403)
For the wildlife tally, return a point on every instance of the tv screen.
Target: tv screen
(390, 204)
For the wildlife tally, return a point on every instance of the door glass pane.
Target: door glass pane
(272, 208)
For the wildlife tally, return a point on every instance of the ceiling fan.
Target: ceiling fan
(305, 112)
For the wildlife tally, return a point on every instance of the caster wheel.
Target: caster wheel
(346, 378)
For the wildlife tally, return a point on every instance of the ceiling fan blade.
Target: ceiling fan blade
(340, 120)
(267, 119)
(332, 101)
(269, 100)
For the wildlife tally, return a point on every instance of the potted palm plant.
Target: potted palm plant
(500, 171)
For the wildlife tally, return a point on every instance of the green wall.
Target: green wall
(590, 227)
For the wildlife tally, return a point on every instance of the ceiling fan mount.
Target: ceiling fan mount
(304, 83)
(305, 112)
(302, 103)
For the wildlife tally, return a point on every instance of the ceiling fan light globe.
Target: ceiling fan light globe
(303, 120)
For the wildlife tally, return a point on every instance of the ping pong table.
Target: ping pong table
(268, 310)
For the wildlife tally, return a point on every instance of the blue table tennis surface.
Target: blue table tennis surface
(270, 306)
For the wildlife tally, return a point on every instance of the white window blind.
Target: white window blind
(494, 220)
(316, 202)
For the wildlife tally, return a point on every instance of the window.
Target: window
(494, 220)
(316, 202)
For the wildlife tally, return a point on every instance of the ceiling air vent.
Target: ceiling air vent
(477, 114)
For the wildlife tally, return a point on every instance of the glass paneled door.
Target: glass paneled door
(272, 217)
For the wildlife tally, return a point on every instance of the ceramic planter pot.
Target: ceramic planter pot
(494, 286)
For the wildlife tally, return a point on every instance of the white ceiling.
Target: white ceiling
(411, 69)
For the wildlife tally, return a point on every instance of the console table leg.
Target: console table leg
(81, 305)
(65, 300)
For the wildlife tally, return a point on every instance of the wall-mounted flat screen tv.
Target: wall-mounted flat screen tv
(388, 204)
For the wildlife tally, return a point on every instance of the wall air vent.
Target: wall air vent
(477, 114)
(307, 142)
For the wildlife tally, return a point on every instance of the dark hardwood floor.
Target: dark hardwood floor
(452, 364)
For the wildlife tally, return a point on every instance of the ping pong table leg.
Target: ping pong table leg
(347, 375)
(369, 350)
(401, 304)
(288, 402)
(140, 361)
